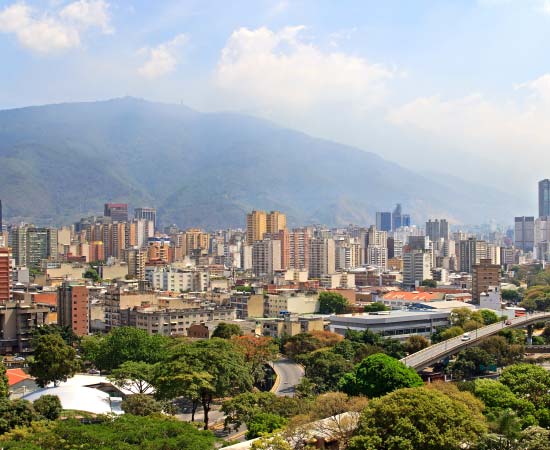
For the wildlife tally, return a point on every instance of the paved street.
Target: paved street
(289, 374)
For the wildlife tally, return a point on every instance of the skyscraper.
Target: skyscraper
(118, 212)
(544, 198)
(256, 226)
(149, 214)
(383, 221)
(275, 222)
(524, 233)
(437, 229)
(5, 274)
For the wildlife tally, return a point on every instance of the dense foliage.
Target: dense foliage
(332, 303)
(53, 360)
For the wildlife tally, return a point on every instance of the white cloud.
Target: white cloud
(499, 128)
(162, 59)
(86, 14)
(49, 32)
(269, 69)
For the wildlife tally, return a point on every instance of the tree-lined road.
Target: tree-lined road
(290, 375)
(430, 355)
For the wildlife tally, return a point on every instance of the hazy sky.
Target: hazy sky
(457, 86)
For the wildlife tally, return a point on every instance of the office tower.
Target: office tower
(376, 237)
(5, 274)
(507, 256)
(524, 233)
(275, 222)
(148, 214)
(416, 268)
(256, 226)
(284, 236)
(299, 240)
(397, 219)
(544, 198)
(418, 243)
(321, 257)
(395, 248)
(383, 221)
(485, 274)
(73, 308)
(437, 229)
(118, 212)
(405, 220)
(266, 257)
(41, 245)
(471, 251)
(17, 240)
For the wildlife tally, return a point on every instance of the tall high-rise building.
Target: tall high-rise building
(544, 198)
(399, 219)
(195, 239)
(41, 245)
(136, 258)
(266, 257)
(149, 214)
(437, 229)
(416, 268)
(377, 255)
(17, 240)
(471, 251)
(118, 212)
(299, 248)
(384, 221)
(73, 308)
(1, 223)
(5, 274)
(321, 257)
(275, 222)
(485, 274)
(256, 226)
(524, 233)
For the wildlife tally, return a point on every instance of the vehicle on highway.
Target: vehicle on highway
(508, 322)
(466, 337)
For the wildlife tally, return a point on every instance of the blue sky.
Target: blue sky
(458, 87)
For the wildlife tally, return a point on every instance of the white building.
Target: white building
(416, 268)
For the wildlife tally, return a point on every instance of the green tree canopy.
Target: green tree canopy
(141, 405)
(123, 432)
(48, 406)
(471, 362)
(529, 382)
(53, 361)
(227, 330)
(65, 332)
(376, 307)
(124, 344)
(325, 368)
(217, 367)
(15, 413)
(263, 423)
(4, 384)
(135, 376)
(377, 375)
(332, 303)
(429, 283)
(413, 419)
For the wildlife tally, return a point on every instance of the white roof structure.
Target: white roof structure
(81, 398)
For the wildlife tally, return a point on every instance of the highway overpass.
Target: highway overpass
(434, 353)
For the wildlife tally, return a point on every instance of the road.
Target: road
(430, 355)
(289, 374)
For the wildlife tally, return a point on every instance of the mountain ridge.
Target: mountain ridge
(62, 161)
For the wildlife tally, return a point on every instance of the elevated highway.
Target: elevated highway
(434, 353)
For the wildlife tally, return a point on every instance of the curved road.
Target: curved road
(289, 374)
(430, 355)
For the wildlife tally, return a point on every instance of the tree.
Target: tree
(301, 343)
(257, 351)
(263, 423)
(325, 368)
(411, 419)
(503, 352)
(66, 332)
(123, 432)
(471, 362)
(92, 274)
(447, 333)
(332, 303)
(376, 307)
(510, 295)
(529, 382)
(224, 372)
(429, 283)
(141, 405)
(227, 330)
(53, 361)
(416, 343)
(124, 344)
(377, 375)
(15, 413)
(460, 316)
(48, 406)
(134, 376)
(489, 316)
(274, 442)
(4, 384)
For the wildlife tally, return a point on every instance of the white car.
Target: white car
(466, 337)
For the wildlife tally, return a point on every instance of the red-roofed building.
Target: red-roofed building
(401, 299)
(16, 376)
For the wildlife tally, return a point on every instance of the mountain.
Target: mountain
(61, 162)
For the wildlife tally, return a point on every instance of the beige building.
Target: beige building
(321, 257)
(256, 226)
(485, 274)
(292, 325)
(18, 321)
(266, 257)
(247, 305)
(275, 222)
(291, 302)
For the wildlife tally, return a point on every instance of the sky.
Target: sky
(447, 87)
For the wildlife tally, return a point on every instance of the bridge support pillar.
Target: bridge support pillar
(529, 335)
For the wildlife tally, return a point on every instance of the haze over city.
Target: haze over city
(459, 88)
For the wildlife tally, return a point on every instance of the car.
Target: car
(508, 322)
(94, 372)
(466, 337)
